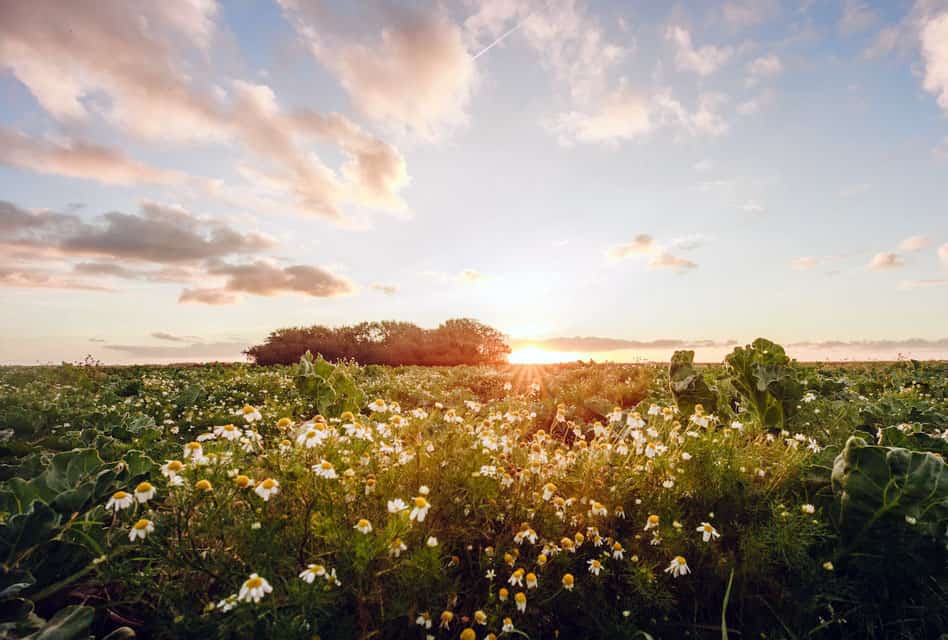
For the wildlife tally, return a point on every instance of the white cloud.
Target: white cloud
(915, 243)
(754, 105)
(622, 115)
(763, 67)
(703, 61)
(934, 44)
(857, 16)
(659, 258)
(885, 260)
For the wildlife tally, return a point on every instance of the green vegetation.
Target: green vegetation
(760, 498)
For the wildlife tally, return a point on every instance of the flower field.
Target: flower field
(756, 498)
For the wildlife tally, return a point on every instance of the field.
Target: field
(757, 498)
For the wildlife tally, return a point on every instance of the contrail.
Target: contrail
(498, 40)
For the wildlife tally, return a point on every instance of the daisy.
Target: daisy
(227, 432)
(120, 500)
(141, 529)
(254, 588)
(678, 567)
(312, 572)
(144, 492)
(652, 522)
(309, 438)
(203, 485)
(503, 594)
(420, 512)
(446, 618)
(598, 509)
(193, 450)
(377, 406)
(363, 526)
(171, 469)
(531, 580)
(707, 531)
(516, 578)
(396, 547)
(468, 634)
(250, 413)
(267, 488)
(423, 620)
(242, 481)
(594, 566)
(228, 603)
(808, 508)
(549, 490)
(508, 626)
(325, 470)
(568, 581)
(618, 553)
(480, 617)
(431, 541)
(284, 423)
(521, 600)
(396, 505)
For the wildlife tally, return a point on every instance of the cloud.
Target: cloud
(622, 115)
(943, 253)
(915, 243)
(263, 279)
(641, 244)
(933, 36)
(804, 263)
(161, 335)
(387, 289)
(857, 16)
(415, 73)
(885, 260)
(79, 160)
(160, 234)
(706, 119)
(703, 61)
(753, 207)
(465, 276)
(113, 270)
(35, 278)
(143, 69)
(763, 67)
(873, 345)
(754, 105)
(592, 344)
(668, 261)
(207, 296)
(741, 14)
(192, 351)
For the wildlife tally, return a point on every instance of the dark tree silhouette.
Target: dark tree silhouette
(454, 342)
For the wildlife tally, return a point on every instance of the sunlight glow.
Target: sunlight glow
(536, 355)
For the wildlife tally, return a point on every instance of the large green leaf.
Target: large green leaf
(766, 379)
(71, 622)
(688, 386)
(25, 530)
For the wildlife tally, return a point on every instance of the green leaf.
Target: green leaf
(39, 524)
(688, 386)
(71, 622)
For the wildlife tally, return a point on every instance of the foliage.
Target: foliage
(688, 386)
(766, 380)
(330, 387)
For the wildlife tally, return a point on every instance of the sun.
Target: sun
(536, 355)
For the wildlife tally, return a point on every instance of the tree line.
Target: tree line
(454, 342)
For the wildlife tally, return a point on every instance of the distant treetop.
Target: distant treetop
(454, 342)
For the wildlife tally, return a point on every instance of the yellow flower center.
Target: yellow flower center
(254, 583)
(521, 597)
(193, 446)
(680, 560)
(142, 524)
(468, 634)
(708, 528)
(617, 547)
(653, 519)
(420, 502)
(310, 435)
(119, 495)
(531, 577)
(229, 427)
(363, 523)
(284, 423)
(203, 485)
(568, 579)
(503, 593)
(326, 465)
(248, 409)
(269, 483)
(174, 465)
(242, 481)
(143, 487)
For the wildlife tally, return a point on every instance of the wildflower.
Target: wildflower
(516, 578)
(242, 481)
(325, 469)
(431, 541)
(828, 565)
(468, 634)
(911, 519)
(396, 547)
(446, 618)
(707, 532)
(490, 574)
(171, 469)
(652, 522)
(685, 456)
(396, 505)
(480, 617)
(254, 588)
(227, 431)
(421, 509)
(549, 490)
(423, 620)
(808, 508)
(594, 566)
(377, 406)
(283, 423)
(568, 581)
(228, 603)
(531, 580)
(193, 450)
(267, 488)
(144, 492)
(203, 485)
(312, 572)
(309, 438)
(678, 567)
(141, 529)
(598, 509)
(502, 594)
(508, 626)
(363, 526)
(521, 600)
(250, 413)
(120, 500)
(618, 553)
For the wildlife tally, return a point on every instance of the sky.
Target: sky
(178, 179)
